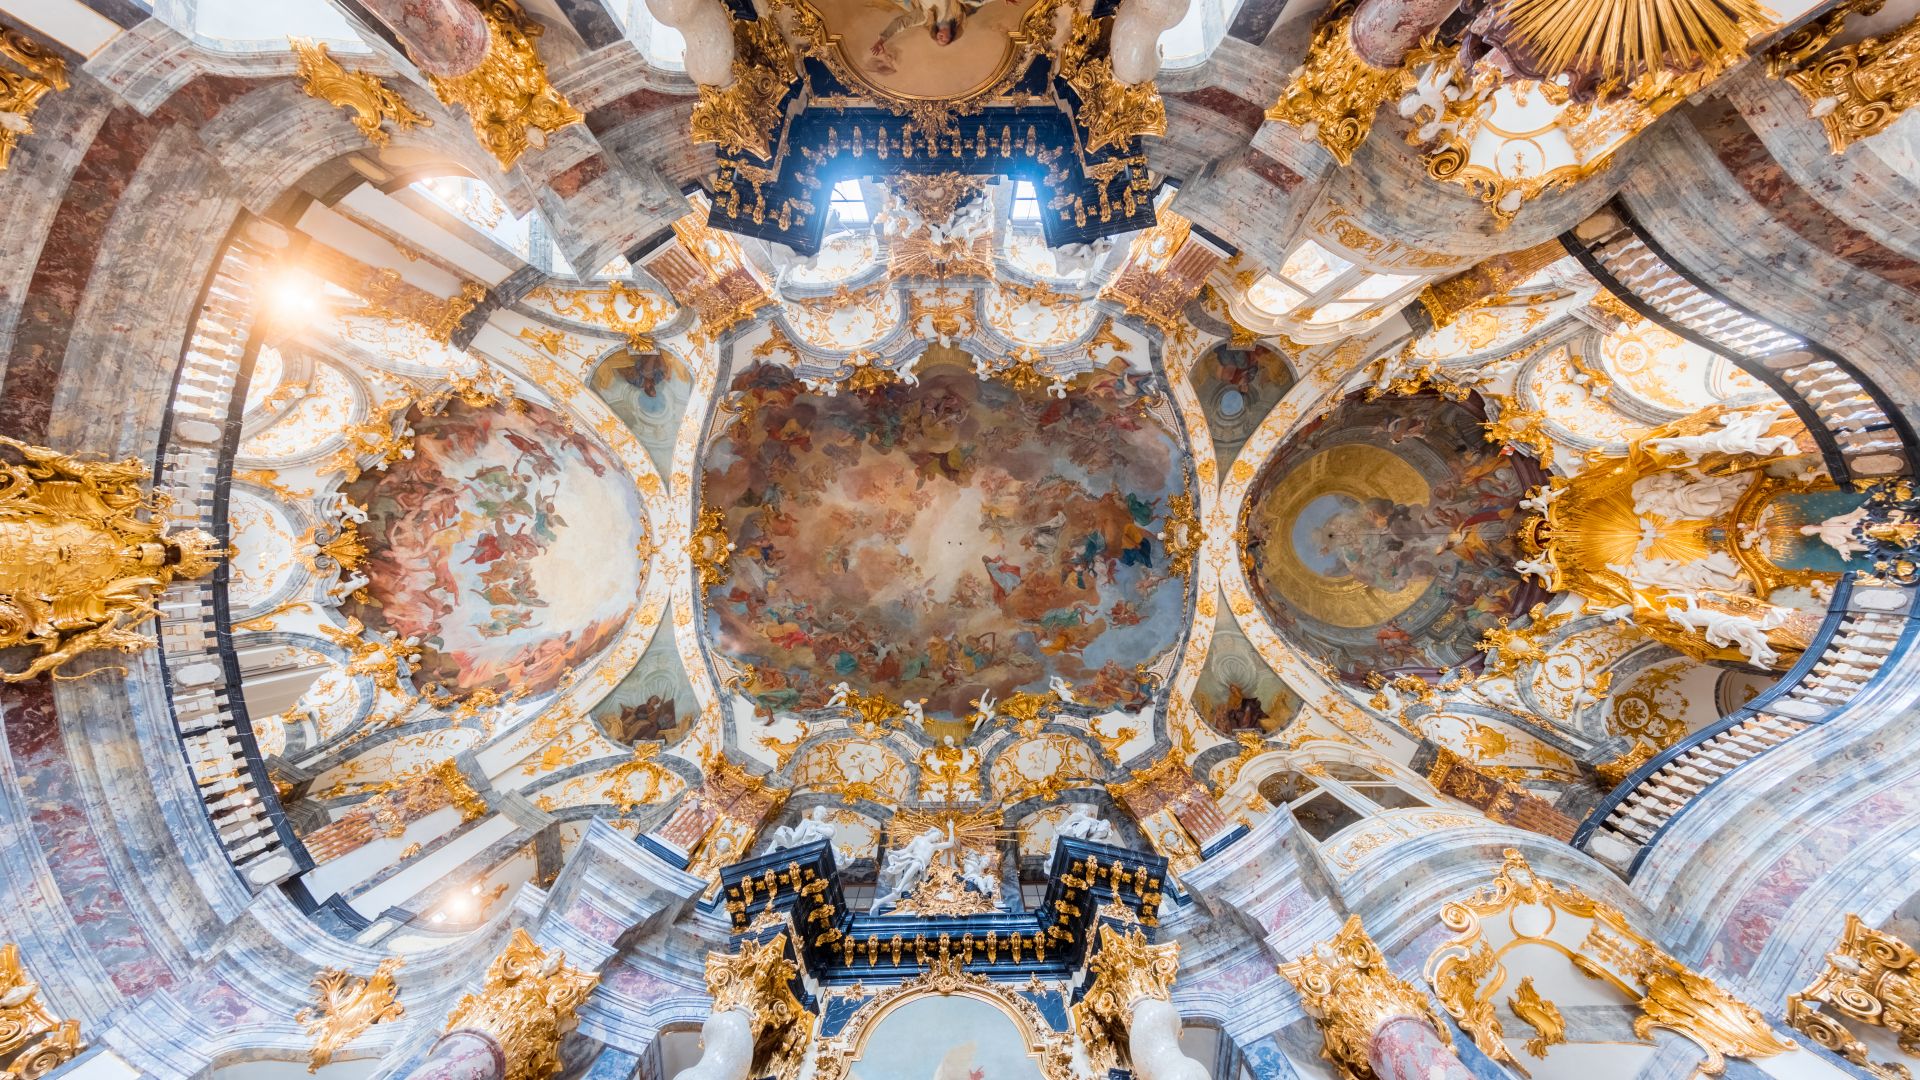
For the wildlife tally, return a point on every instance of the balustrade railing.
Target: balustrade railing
(1861, 435)
(203, 675)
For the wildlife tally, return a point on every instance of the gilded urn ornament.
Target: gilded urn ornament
(84, 555)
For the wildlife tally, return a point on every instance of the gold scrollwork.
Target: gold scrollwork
(1541, 1015)
(1348, 989)
(1870, 978)
(1335, 93)
(347, 1005)
(372, 101)
(742, 117)
(1860, 90)
(1125, 969)
(710, 548)
(33, 1042)
(508, 94)
(84, 555)
(530, 1000)
(20, 93)
(758, 980)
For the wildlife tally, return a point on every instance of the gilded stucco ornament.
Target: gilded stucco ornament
(347, 1005)
(710, 549)
(1348, 989)
(1468, 969)
(1656, 52)
(758, 980)
(1543, 1016)
(508, 95)
(1860, 89)
(743, 116)
(1125, 968)
(1112, 112)
(372, 101)
(33, 1041)
(530, 1000)
(1872, 978)
(84, 556)
(1335, 93)
(392, 300)
(21, 91)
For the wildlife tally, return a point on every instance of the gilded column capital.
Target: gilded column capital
(1869, 978)
(1335, 92)
(1861, 89)
(758, 980)
(1126, 970)
(528, 1003)
(1347, 987)
(508, 94)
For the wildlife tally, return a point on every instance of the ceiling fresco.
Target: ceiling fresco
(945, 540)
(1382, 537)
(476, 542)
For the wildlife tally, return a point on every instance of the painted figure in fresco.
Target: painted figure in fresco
(906, 865)
(942, 18)
(814, 826)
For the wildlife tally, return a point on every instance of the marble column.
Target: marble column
(1384, 30)
(708, 29)
(1407, 1048)
(726, 1047)
(445, 38)
(463, 1055)
(1153, 1042)
(1135, 41)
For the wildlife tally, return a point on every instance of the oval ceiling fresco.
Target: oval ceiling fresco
(947, 538)
(1381, 539)
(477, 542)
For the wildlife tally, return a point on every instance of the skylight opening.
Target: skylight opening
(1026, 203)
(847, 205)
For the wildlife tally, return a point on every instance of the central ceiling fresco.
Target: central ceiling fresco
(946, 540)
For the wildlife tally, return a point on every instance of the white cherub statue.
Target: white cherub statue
(980, 869)
(811, 827)
(1083, 824)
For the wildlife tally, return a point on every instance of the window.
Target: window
(1339, 795)
(1323, 289)
(1026, 202)
(847, 205)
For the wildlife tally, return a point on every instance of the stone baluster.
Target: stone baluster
(512, 1028)
(1373, 1021)
(755, 1012)
(445, 38)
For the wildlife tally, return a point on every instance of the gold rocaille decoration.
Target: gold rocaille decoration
(1112, 112)
(20, 92)
(530, 1000)
(1799, 46)
(347, 1005)
(758, 980)
(743, 117)
(1348, 989)
(619, 307)
(1335, 93)
(1541, 1015)
(394, 301)
(1656, 51)
(1861, 89)
(1125, 969)
(84, 554)
(710, 549)
(508, 94)
(1182, 534)
(371, 100)
(33, 1041)
(1871, 977)
(1466, 971)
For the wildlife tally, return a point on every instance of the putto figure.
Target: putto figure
(84, 553)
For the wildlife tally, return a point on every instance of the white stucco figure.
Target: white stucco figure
(841, 691)
(1739, 433)
(1539, 568)
(1837, 532)
(814, 826)
(1730, 631)
(1540, 498)
(1060, 689)
(906, 865)
(1082, 824)
(981, 870)
(1687, 496)
(1716, 571)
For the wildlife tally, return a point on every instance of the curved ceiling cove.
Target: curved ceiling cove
(1382, 538)
(945, 540)
(477, 542)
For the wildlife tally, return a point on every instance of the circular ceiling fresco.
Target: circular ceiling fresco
(1381, 539)
(947, 538)
(477, 543)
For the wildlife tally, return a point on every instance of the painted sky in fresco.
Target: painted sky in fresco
(478, 544)
(1381, 539)
(940, 540)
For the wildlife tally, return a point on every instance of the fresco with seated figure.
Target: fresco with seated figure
(947, 539)
(1382, 538)
(476, 543)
